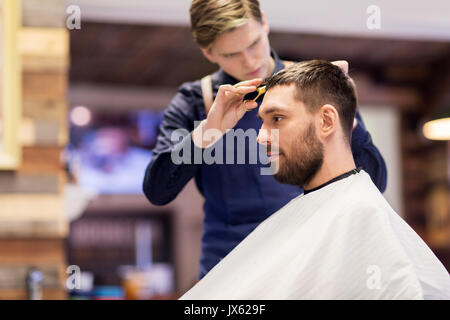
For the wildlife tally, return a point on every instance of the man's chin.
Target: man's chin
(275, 162)
(281, 178)
(276, 166)
(286, 177)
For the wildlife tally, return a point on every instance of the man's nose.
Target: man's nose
(248, 59)
(263, 137)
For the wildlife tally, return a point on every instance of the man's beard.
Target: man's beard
(304, 160)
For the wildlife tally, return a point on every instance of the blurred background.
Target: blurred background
(90, 97)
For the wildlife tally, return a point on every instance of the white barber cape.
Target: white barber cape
(342, 241)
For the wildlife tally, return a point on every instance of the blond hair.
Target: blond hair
(212, 18)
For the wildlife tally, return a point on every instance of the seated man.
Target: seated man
(340, 239)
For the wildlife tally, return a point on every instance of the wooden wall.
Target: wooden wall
(33, 226)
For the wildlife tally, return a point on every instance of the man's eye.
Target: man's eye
(254, 43)
(276, 119)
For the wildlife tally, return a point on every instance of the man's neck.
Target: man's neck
(334, 164)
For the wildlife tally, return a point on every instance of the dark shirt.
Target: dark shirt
(339, 177)
(237, 197)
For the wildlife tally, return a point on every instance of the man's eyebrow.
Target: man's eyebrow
(268, 111)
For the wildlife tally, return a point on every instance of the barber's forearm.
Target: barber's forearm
(170, 171)
(202, 136)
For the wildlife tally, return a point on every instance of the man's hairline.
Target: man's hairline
(310, 111)
(259, 116)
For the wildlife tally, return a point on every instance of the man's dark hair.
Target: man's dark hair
(320, 82)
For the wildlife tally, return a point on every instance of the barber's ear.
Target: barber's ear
(328, 120)
(208, 55)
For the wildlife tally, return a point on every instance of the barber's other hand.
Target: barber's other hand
(343, 65)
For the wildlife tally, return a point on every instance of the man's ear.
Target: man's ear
(264, 23)
(208, 55)
(328, 120)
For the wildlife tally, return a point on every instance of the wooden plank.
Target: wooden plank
(51, 109)
(17, 256)
(41, 159)
(44, 86)
(14, 276)
(27, 132)
(10, 151)
(45, 63)
(43, 132)
(47, 133)
(33, 215)
(57, 228)
(44, 49)
(32, 251)
(30, 135)
(36, 206)
(17, 182)
(43, 13)
(51, 133)
(44, 42)
(21, 294)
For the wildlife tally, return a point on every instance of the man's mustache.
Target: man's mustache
(271, 149)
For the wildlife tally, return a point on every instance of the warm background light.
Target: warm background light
(437, 129)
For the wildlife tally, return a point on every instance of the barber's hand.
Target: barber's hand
(343, 65)
(228, 108)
